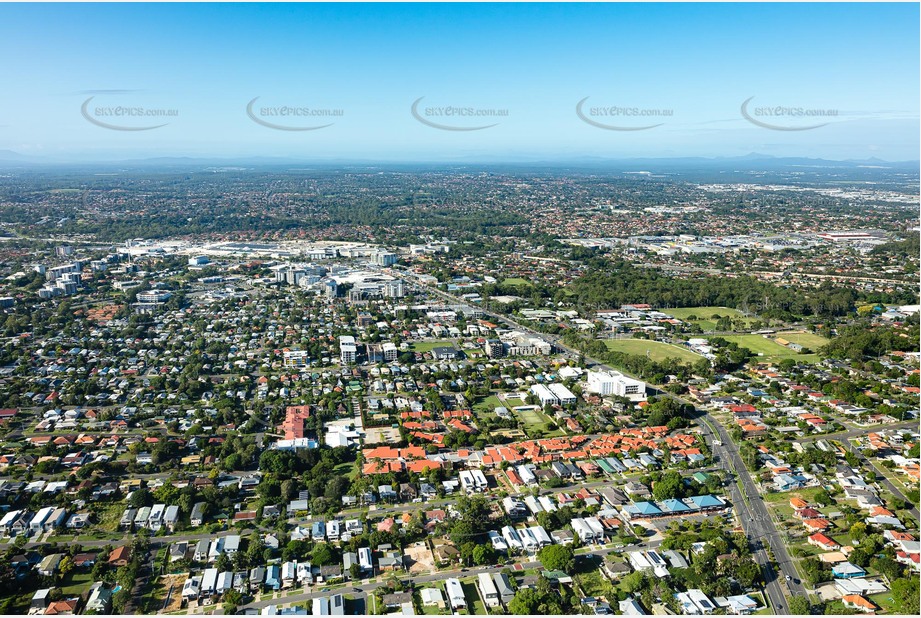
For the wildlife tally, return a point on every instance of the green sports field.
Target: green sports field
(808, 340)
(427, 346)
(531, 420)
(768, 349)
(657, 351)
(487, 406)
(703, 316)
(702, 313)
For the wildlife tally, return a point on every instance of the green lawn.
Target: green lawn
(109, 517)
(516, 281)
(531, 417)
(884, 600)
(768, 349)
(806, 494)
(348, 469)
(703, 313)
(488, 405)
(76, 583)
(474, 603)
(655, 350)
(808, 340)
(703, 316)
(594, 584)
(431, 610)
(427, 346)
(532, 420)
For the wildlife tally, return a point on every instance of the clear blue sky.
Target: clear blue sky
(536, 61)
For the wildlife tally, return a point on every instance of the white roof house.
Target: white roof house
(563, 394)
(191, 588)
(528, 540)
(432, 596)
(615, 383)
(584, 531)
(38, 521)
(497, 541)
(155, 519)
(215, 549)
(224, 582)
(171, 516)
(488, 591)
(455, 593)
(232, 544)
(365, 559)
(209, 581)
(539, 533)
(512, 539)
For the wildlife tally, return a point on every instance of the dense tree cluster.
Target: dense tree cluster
(858, 341)
(610, 284)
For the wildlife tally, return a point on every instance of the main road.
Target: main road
(755, 519)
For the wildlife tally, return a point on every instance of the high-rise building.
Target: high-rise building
(394, 289)
(348, 349)
(385, 258)
(494, 348)
(615, 383)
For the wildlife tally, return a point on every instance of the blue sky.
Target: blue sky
(696, 63)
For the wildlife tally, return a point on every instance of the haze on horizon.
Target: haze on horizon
(224, 80)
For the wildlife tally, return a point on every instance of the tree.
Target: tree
(634, 582)
(858, 531)
(255, 550)
(859, 557)
(222, 563)
(887, 566)
(466, 551)
(483, 554)
(822, 497)
(557, 558)
(670, 485)
(526, 602)
(799, 605)
(140, 498)
(905, 593)
(101, 570)
(814, 570)
(66, 566)
(232, 600)
(322, 554)
(746, 571)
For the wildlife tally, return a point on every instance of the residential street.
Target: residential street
(753, 515)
